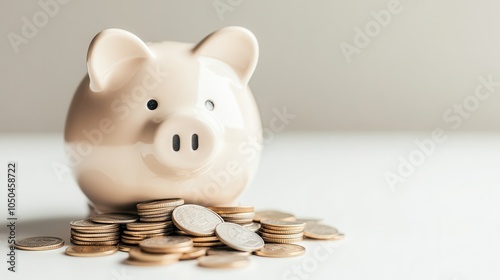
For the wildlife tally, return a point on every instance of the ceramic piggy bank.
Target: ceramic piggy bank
(165, 120)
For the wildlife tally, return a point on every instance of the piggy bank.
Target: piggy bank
(165, 120)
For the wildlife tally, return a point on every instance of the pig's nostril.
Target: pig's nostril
(176, 143)
(194, 142)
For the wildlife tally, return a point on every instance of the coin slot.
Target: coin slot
(176, 143)
(194, 142)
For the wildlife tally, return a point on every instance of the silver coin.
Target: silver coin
(238, 237)
(196, 220)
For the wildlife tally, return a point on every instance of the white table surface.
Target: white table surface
(442, 223)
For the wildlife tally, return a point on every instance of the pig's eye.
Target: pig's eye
(209, 105)
(152, 104)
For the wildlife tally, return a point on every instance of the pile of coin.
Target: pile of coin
(160, 250)
(159, 210)
(198, 223)
(279, 231)
(88, 233)
(134, 233)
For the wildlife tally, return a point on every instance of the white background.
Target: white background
(427, 58)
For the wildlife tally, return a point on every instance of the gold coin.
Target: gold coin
(280, 250)
(208, 244)
(130, 241)
(92, 239)
(39, 243)
(272, 235)
(142, 232)
(172, 202)
(205, 239)
(97, 235)
(140, 255)
(167, 244)
(125, 247)
(309, 220)
(94, 243)
(232, 209)
(281, 240)
(239, 216)
(89, 225)
(156, 219)
(223, 261)
(317, 231)
(143, 263)
(267, 230)
(148, 226)
(282, 225)
(114, 218)
(194, 253)
(97, 231)
(273, 215)
(90, 251)
(227, 251)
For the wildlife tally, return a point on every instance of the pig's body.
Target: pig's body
(202, 140)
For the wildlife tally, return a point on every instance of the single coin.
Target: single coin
(143, 263)
(130, 241)
(205, 239)
(227, 251)
(89, 225)
(160, 203)
(239, 222)
(166, 244)
(272, 235)
(268, 230)
(232, 209)
(273, 215)
(164, 210)
(148, 226)
(158, 215)
(90, 251)
(112, 238)
(194, 253)
(309, 220)
(318, 231)
(97, 231)
(156, 219)
(238, 237)
(140, 255)
(126, 247)
(281, 240)
(196, 220)
(94, 243)
(114, 218)
(253, 226)
(282, 224)
(208, 244)
(280, 250)
(142, 232)
(142, 237)
(39, 243)
(96, 235)
(223, 261)
(239, 216)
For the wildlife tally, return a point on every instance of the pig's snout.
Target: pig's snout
(187, 144)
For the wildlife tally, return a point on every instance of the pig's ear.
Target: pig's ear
(113, 57)
(233, 45)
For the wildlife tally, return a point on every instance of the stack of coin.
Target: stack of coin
(160, 250)
(134, 233)
(279, 231)
(198, 223)
(241, 215)
(86, 232)
(159, 210)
